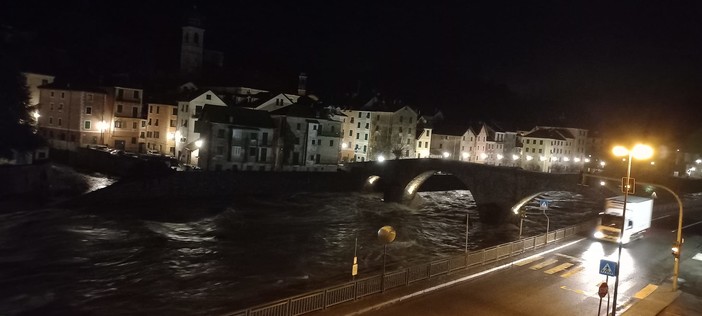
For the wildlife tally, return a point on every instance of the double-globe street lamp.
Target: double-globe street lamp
(639, 151)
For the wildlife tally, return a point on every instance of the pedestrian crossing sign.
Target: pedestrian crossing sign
(608, 268)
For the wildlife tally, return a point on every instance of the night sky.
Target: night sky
(622, 67)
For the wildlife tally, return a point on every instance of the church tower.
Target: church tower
(191, 48)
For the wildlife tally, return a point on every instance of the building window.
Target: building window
(89, 96)
(136, 94)
(133, 140)
(331, 143)
(51, 106)
(541, 142)
(149, 134)
(252, 151)
(367, 116)
(118, 124)
(358, 135)
(88, 110)
(364, 148)
(60, 107)
(52, 94)
(157, 109)
(63, 95)
(51, 120)
(134, 125)
(174, 111)
(352, 120)
(119, 108)
(157, 135)
(208, 96)
(86, 124)
(220, 150)
(151, 109)
(426, 144)
(141, 135)
(366, 137)
(156, 124)
(149, 121)
(359, 114)
(59, 121)
(143, 123)
(351, 133)
(220, 133)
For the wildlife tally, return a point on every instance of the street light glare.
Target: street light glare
(641, 151)
(620, 151)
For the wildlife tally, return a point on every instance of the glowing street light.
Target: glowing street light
(102, 126)
(381, 158)
(529, 158)
(698, 161)
(639, 152)
(515, 157)
(446, 154)
(344, 146)
(602, 164)
(499, 157)
(198, 143)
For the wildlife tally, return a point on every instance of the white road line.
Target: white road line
(693, 224)
(664, 216)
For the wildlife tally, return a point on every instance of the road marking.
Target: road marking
(569, 257)
(662, 217)
(575, 291)
(645, 291)
(572, 272)
(693, 224)
(528, 261)
(543, 264)
(698, 257)
(559, 268)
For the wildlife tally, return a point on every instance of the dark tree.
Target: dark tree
(16, 129)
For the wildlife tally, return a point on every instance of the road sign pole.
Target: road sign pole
(607, 280)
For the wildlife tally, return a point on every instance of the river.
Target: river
(231, 254)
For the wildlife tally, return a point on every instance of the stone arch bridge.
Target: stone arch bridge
(496, 189)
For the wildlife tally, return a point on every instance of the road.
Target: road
(565, 282)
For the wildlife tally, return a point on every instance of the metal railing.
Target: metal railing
(350, 291)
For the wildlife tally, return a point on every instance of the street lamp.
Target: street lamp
(639, 151)
(386, 235)
(102, 125)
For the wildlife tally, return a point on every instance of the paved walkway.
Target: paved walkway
(652, 304)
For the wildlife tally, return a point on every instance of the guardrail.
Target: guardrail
(350, 291)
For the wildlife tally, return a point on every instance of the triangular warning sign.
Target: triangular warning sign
(606, 269)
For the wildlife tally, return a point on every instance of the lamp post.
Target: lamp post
(639, 152)
(386, 235)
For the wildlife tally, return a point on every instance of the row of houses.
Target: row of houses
(255, 129)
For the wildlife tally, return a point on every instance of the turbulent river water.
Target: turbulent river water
(231, 254)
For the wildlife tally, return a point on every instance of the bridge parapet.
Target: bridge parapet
(495, 189)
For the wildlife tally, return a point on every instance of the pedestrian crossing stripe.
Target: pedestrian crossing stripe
(543, 264)
(559, 268)
(572, 272)
(528, 261)
(645, 291)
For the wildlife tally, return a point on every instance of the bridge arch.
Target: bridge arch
(495, 189)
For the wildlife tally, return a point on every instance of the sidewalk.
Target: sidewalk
(652, 305)
(378, 301)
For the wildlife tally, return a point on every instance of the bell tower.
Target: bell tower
(191, 47)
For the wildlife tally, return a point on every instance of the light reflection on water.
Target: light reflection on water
(64, 261)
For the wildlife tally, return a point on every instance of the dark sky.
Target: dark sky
(622, 66)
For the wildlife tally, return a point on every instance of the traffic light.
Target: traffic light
(676, 250)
